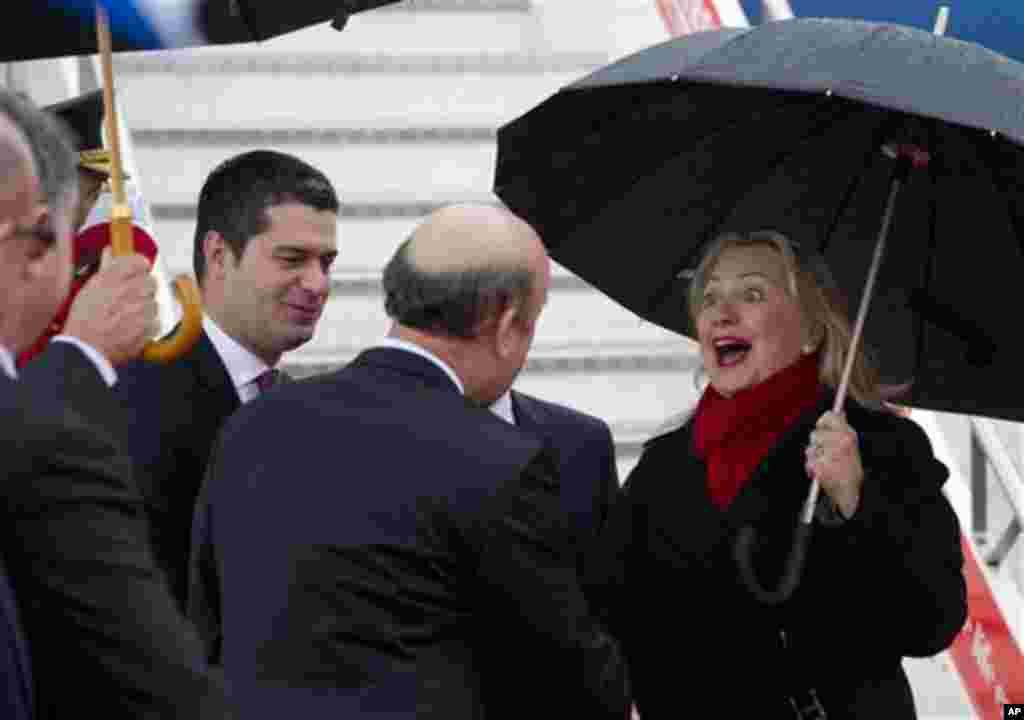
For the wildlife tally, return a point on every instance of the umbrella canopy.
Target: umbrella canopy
(996, 24)
(59, 28)
(629, 173)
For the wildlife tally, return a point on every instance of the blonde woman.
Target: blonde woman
(883, 576)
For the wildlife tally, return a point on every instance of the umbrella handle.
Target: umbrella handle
(187, 333)
(743, 551)
(121, 240)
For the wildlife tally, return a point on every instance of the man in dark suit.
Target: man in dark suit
(73, 537)
(375, 531)
(586, 459)
(264, 244)
(18, 188)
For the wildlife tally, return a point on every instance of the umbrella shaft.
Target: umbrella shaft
(865, 301)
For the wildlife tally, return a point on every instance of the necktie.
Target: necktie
(269, 379)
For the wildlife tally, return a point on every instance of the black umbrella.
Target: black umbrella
(60, 28)
(825, 130)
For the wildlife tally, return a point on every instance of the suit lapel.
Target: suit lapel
(212, 375)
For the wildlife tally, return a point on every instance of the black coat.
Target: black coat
(104, 636)
(885, 584)
(371, 532)
(174, 413)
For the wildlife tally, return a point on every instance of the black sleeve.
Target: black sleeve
(66, 374)
(532, 586)
(906, 537)
(94, 603)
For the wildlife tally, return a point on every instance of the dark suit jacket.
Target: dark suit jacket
(174, 413)
(75, 543)
(586, 462)
(15, 660)
(372, 532)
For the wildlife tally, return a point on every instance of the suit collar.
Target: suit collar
(408, 363)
(397, 344)
(528, 412)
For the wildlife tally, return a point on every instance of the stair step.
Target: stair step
(189, 91)
(571, 316)
(172, 165)
(487, 6)
(435, 28)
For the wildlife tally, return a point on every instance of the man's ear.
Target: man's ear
(507, 330)
(7, 230)
(216, 252)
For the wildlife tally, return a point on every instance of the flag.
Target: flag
(682, 17)
(772, 10)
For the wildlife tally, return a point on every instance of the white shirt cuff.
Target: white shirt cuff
(103, 366)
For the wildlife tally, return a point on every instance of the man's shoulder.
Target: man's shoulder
(556, 413)
(39, 423)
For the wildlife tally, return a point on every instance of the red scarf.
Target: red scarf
(732, 435)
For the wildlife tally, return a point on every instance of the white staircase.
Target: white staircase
(400, 110)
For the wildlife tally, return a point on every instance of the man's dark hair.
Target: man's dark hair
(51, 144)
(236, 195)
(455, 303)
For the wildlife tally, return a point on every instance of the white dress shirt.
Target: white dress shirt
(502, 407)
(103, 366)
(243, 367)
(7, 364)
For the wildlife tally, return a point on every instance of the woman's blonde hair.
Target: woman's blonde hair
(821, 304)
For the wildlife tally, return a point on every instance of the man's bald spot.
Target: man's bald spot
(474, 237)
(19, 184)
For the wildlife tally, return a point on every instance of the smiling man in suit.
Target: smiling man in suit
(265, 240)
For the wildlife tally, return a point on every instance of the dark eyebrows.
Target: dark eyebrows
(303, 251)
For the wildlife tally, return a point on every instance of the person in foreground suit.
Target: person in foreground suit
(264, 243)
(18, 188)
(376, 531)
(73, 537)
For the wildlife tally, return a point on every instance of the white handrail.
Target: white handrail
(1002, 462)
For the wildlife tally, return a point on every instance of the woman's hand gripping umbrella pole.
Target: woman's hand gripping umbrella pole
(906, 157)
(187, 333)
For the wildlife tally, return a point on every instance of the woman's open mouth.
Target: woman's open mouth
(731, 351)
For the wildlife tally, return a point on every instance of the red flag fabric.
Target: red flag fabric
(682, 17)
(88, 247)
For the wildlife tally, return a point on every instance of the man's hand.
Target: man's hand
(116, 310)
